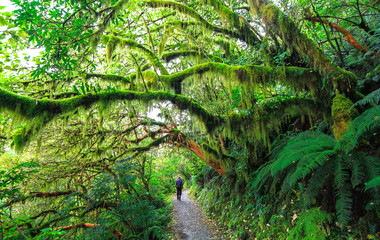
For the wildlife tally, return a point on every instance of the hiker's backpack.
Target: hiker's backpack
(178, 183)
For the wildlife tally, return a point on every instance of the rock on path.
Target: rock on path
(190, 222)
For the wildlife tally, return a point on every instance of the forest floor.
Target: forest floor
(190, 222)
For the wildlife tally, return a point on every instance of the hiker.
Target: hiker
(179, 186)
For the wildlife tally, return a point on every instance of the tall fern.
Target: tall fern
(319, 158)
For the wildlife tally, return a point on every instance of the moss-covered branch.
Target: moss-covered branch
(270, 118)
(284, 27)
(172, 55)
(253, 75)
(233, 19)
(121, 42)
(204, 23)
(111, 77)
(31, 108)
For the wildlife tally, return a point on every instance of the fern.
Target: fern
(366, 124)
(373, 97)
(299, 147)
(316, 182)
(343, 204)
(312, 162)
(311, 225)
(373, 183)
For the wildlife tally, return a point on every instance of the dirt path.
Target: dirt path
(190, 222)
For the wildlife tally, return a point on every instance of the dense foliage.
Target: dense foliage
(279, 100)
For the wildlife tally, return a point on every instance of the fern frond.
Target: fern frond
(300, 147)
(310, 163)
(366, 124)
(343, 204)
(262, 177)
(371, 166)
(373, 183)
(355, 162)
(310, 225)
(373, 97)
(340, 173)
(316, 182)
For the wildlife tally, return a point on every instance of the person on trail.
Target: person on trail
(179, 186)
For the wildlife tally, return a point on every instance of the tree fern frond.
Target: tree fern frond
(340, 173)
(343, 203)
(373, 183)
(311, 163)
(371, 166)
(373, 97)
(300, 146)
(355, 162)
(262, 176)
(316, 182)
(365, 124)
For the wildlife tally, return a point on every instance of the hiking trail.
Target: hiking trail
(190, 222)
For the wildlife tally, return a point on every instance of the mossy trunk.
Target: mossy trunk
(342, 115)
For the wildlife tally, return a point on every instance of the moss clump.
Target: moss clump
(342, 115)
(284, 27)
(121, 42)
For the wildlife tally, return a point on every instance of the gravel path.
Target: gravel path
(190, 222)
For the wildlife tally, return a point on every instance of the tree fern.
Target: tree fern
(343, 203)
(315, 183)
(366, 124)
(373, 97)
(310, 163)
(299, 147)
(374, 183)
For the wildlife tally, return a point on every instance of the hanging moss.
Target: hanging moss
(110, 77)
(252, 76)
(182, 8)
(278, 22)
(172, 55)
(342, 115)
(176, 23)
(110, 48)
(152, 58)
(269, 119)
(32, 108)
(231, 18)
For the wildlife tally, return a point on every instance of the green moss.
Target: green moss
(182, 8)
(47, 109)
(284, 27)
(342, 115)
(172, 55)
(110, 77)
(152, 58)
(231, 18)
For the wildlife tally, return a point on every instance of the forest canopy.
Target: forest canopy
(274, 104)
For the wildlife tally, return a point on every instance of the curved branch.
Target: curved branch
(37, 194)
(192, 13)
(153, 59)
(31, 108)
(111, 77)
(172, 55)
(235, 20)
(349, 38)
(283, 26)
